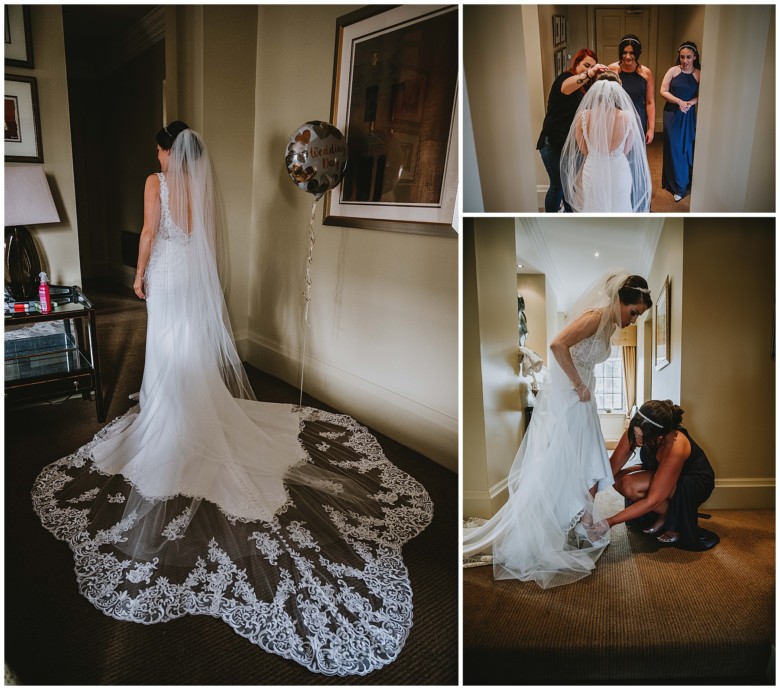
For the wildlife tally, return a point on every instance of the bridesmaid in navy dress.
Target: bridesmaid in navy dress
(680, 89)
(664, 492)
(637, 81)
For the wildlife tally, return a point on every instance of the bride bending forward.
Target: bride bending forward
(285, 522)
(604, 160)
(549, 530)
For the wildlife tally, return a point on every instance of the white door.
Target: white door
(614, 23)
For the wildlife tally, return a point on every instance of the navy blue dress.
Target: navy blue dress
(694, 486)
(679, 136)
(635, 85)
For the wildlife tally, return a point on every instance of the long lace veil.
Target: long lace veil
(194, 209)
(605, 126)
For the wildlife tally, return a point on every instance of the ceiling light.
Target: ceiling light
(519, 265)
(596, 254)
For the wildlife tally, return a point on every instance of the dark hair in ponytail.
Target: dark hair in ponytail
(648, 418)
(167, 135)
(629, 294)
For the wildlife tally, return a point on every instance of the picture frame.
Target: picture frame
(395, 98)
(22, 120)
(563, 29)
(662, 327)
(18, 36)
(556, 29)
(560, 62)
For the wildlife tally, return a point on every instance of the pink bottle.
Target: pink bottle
(44, 297)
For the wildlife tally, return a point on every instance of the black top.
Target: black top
(696, 462)
(560, 114)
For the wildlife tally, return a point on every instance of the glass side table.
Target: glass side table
(41, 366)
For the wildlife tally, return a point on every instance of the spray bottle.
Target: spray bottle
(44, 297)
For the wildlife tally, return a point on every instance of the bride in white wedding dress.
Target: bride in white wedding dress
(286, 522)
(549, 530)
(604, 160)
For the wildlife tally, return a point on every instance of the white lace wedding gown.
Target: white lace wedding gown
(549, 530)
(606, 176)
(285, 522)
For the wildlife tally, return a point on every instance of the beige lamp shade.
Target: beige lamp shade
(28, 199)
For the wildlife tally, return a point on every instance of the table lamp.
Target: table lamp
(28, 201)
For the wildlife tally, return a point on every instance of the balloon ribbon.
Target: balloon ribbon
(307, 292)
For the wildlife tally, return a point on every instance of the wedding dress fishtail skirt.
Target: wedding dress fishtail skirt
(606, 184)
(285, 522)
(549, 531)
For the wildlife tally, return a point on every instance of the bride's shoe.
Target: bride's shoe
(668, 537)
(677, 197)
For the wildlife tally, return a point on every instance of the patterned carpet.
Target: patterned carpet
(53, 636)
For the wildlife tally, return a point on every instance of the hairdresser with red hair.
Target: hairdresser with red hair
(565, 95)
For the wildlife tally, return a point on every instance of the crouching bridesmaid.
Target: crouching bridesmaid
(664, 492)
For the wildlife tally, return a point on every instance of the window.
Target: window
(610, 393)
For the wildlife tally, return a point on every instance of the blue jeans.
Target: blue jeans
(552, 163)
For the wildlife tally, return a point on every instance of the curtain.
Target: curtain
(629, 375)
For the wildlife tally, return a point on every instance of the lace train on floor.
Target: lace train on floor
(323, 582)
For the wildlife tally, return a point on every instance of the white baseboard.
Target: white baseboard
(485, 504)
(541, 193)
(748, 493)
(742, 493)
(423, 429)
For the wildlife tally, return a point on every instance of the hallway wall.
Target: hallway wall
(728, 378)
(735, 170)
(493, 419)
(502, 112)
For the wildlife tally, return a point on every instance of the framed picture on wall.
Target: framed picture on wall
(18, 38)
(662, 322)
(395, 98)
(22, 120)
(563, 29)
(556, 29)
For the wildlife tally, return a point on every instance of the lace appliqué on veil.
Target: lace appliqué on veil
(320, 583)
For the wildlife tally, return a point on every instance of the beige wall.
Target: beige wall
(668, 262)
(58, 243)
(500, 417)
(506, 102)
(745, 135)
(476, 489)
(383, 342)
(728, 377)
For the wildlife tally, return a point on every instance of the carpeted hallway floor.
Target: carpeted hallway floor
(647, 614)
(53, 636)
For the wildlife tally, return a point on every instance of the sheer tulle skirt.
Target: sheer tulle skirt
(550, 531)
(285, 522)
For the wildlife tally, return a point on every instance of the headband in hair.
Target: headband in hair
(631, 40)
(688, 45)
(631, 287)
(646, 418)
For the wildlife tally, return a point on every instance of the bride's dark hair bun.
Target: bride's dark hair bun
(629, 294)
(167, 135)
